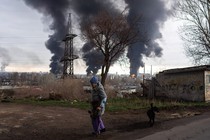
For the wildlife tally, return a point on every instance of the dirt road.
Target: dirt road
(21, 122)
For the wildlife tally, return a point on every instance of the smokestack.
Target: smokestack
(154, 13)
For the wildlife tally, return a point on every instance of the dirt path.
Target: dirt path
(21, 122)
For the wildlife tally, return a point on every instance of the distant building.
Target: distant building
(191, 83)
(6, 82)
(128, 90)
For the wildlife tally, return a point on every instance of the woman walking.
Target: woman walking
(98, 95)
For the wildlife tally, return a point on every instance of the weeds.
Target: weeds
(117, 104)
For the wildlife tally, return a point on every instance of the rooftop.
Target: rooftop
(188, 69)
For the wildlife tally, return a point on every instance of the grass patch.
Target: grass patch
(120, 104)
(143, 103)
(117, 104)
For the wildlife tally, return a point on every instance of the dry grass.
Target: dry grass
(29, 92)
(69, 89)
(111, 92)
(65, 89)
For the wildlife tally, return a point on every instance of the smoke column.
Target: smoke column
(85, 10)
(57, 10)
(5, 59)
(154, 15)
(92, 57)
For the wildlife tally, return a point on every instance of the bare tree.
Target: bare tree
(196, 31)
(110, 35)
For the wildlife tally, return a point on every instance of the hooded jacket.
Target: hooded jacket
(98, 94)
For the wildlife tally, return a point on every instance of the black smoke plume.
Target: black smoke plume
(154, 13)
(86, 9)
(57, 11)
(93, 58)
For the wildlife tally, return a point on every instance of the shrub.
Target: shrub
(7, 95)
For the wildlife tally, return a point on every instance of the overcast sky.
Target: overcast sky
(23, 35)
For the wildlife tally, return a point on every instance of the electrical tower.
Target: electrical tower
(69, 57)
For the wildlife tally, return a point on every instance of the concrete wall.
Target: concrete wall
(207, 85)
(182, 85)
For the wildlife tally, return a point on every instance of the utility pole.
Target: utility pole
(69, 57)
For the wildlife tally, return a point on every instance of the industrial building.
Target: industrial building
(191, 83)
